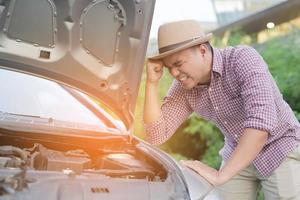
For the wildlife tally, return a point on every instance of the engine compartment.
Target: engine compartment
(114, 158)
(41, 158)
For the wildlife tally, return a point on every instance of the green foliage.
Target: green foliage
(212, 137)
(297, 114)
(190, 146)
(234, 37)
(260, 195)
(178, 156)
(282, 56)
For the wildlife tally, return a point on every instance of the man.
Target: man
(234, 89)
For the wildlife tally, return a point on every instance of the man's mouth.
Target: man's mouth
(182, 77)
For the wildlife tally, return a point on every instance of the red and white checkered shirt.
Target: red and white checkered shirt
(242, 94)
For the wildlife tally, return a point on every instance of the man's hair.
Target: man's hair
(206, 43)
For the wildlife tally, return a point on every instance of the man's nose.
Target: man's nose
(174, 72)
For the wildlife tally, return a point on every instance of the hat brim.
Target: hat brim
(197, 41)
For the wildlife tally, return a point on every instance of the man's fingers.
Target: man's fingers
(195, 164)
(157, 68)
(157, 65)
(154, 70)
(188, 163)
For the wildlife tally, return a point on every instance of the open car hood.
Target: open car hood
(96, 46)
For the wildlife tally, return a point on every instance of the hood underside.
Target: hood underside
(96, 46)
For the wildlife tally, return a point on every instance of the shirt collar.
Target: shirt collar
(217, 64)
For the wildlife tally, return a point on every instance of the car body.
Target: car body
(69, 76)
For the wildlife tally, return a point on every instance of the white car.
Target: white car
(69, 76)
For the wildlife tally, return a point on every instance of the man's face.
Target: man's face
(190, 66)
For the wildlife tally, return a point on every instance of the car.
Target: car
(69, 76)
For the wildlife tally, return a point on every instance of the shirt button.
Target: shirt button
(235, 135)
(225, 122)
(209, 89)
(216, 108)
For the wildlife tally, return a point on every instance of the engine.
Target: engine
(39, 157)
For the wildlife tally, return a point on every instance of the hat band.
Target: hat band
(175, 46)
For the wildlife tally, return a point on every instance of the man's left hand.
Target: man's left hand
(209, 173)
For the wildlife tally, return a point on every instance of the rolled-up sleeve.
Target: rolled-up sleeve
(256, 90)
(174, 111)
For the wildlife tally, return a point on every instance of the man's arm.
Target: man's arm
(152, 104)
(162, 121)
(251, 143)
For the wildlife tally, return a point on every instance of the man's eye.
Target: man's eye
(178, 65)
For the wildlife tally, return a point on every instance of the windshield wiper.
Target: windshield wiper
(50, 123)
(50, 119)
(22, 115)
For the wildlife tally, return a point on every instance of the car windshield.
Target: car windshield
(27, 95)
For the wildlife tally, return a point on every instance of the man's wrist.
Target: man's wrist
(222, 177)
(151, 83)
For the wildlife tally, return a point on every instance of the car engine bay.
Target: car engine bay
(114, 162)
(121, 160)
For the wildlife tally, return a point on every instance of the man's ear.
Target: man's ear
(203, 48)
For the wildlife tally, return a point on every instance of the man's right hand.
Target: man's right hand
(152, 103)
(154, 70)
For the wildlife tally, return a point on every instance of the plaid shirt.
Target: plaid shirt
(242, 94)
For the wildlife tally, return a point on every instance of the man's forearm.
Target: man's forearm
(251, 143)
(152, 104)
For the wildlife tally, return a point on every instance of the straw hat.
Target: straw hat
(179, 35)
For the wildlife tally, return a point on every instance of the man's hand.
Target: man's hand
(154, 71)
(250, 144)
(210, 174)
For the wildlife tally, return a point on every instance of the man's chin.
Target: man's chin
(188, 86)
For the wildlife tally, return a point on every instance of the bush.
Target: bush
(212, 137)
(282, 56)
